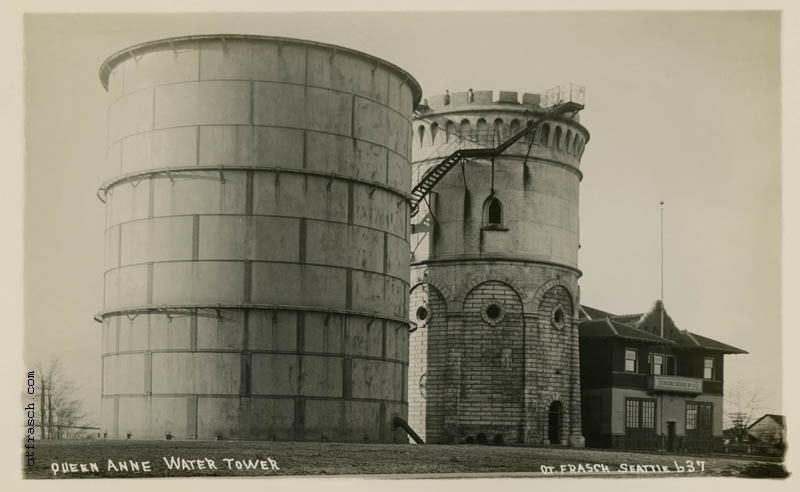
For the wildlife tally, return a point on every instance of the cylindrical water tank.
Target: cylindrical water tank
(256, 266)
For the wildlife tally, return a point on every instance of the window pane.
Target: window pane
(658, 363)
(648, 414)
(630, 360)
(691, 416)
(631, 414)
(708, 369)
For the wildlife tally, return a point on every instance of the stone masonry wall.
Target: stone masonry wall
(493, 376)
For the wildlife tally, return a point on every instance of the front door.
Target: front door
(554, 423)
(670, 436)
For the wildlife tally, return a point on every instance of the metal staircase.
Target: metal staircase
(435, 174)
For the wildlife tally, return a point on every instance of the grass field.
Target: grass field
(303, 458)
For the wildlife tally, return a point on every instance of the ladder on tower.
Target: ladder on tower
(435, 174)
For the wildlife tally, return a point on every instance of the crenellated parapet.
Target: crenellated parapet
(487, 118)
(461, 99)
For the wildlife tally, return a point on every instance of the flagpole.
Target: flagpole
(662, 269)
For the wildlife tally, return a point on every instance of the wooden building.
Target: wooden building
(646, 384)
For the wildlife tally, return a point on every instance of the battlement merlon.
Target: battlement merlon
(464, 99)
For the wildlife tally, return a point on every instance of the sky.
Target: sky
(683, 107)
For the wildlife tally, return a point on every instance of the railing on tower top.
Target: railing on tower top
(558, 100)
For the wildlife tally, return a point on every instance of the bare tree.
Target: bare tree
(742, 405)
(61, 413)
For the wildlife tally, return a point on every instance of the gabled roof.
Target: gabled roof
(647, 327)
(608, 328)
(780, 419)
(693, 340)
(586, 312)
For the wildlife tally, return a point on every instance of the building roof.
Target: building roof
(609, 328)
(596, 323)
(780, 419)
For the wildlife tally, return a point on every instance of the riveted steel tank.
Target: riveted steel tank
(256, 265)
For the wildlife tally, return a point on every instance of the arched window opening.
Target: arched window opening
(530, 136)
(498, 130)
(575, 144)
(545, 135)
(514, 126)
(493, 212)
(421, 131)
(482, 128)
(557, 138)
(466, 127)
(434, 131)
(449, 131)
(568, 143)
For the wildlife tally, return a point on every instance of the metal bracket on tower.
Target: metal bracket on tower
(172, 45)
(221, 175)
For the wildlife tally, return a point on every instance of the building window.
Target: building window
(657, 364)
(492, 312)
(557, 138)
(691, 415)
(630, 360)
(671, 367)
(640, 413)
(699, 416)
(558, 318)
(493, 212)
(708, 368)
(631, 414)
(648, 414)
(545, 135)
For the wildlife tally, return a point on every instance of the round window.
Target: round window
(559, 318)
(422, 313)
(492, 312)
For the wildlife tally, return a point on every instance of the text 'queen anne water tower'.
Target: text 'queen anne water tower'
(494, 267)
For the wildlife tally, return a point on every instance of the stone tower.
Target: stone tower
(494, 275)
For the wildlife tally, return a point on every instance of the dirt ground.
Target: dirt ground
(90, 459)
